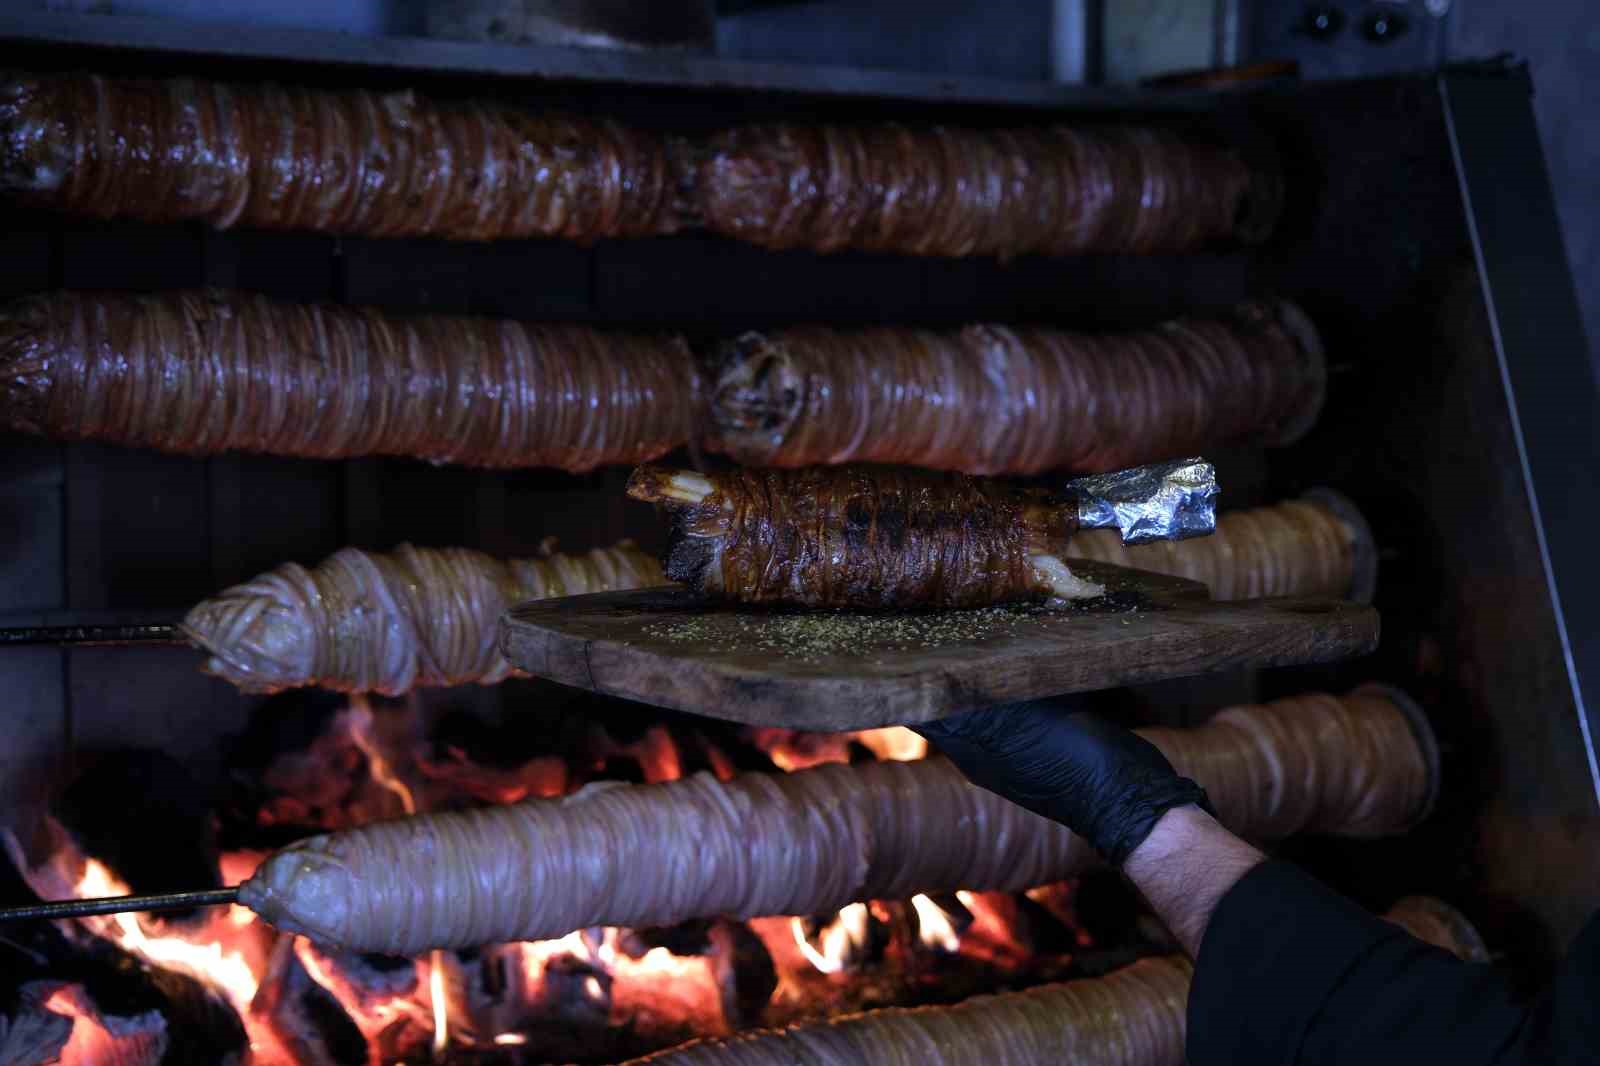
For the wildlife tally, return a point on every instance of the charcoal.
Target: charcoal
(1042, 931)
(367, 979)
(746, 976)
(685, 938)
(304, 1016)
(30, 1035)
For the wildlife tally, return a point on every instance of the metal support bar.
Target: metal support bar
(1544, 357)
(93, 635)
(85, 908)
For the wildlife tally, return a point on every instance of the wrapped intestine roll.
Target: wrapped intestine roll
(1134, 1016)
(940, 191)
(349, 161)
(1436, 922)
(1013, 400)
(1318, 545)
(389, 622)
(203, 372)
(812, 841)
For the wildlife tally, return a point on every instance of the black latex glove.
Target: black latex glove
(1104, 782)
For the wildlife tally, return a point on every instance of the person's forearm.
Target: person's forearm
(1184, 868)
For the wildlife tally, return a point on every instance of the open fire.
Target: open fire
(599, 994)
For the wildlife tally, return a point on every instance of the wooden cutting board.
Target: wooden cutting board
(832, 670)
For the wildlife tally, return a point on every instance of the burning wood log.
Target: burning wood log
(867, 536)
(746, 977)
(354, 162)
(140, 1039)
(198, 373)
(32, 1034)
(177, 991)
(391, 621)
(815, 840)
(1000, 400)
(1134, 1016)
(102, 1006)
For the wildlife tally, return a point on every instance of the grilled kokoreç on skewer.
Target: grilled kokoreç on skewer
(349, 161)
(203, 372)
(389, 622)
(1015, 400)
(942, 191)
(812, 841)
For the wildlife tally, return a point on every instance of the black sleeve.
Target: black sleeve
(1291, 972)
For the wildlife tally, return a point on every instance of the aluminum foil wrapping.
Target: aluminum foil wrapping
(1163, 501)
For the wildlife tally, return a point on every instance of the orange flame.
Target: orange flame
(993, 933)
(658, 984)
(360, 717)
(933, 925)
(894, 743)
(441, 1007)
(658, 756)
(841, 938)
(225, 971)
(790, 750)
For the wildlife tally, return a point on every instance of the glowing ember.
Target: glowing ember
(372, 1018)
(933, 925)
(894, 743)
(91, 1042)
(658, 756)
(992, 936)
(842, 938)
(791, 750)
(511, 1039)
(721, 765)
(658, 985)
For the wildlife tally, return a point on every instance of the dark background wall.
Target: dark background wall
(1561, 41)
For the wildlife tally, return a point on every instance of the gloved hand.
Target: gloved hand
(1105, 783)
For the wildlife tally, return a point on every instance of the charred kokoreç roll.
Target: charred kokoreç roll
(878, 537)
(993, 399)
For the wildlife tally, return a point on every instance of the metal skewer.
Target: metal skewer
(84, 908)
(90, 636)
